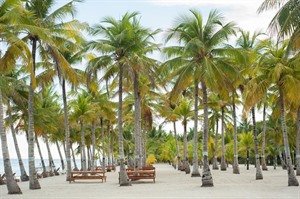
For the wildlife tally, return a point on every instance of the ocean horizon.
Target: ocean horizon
(38, 165)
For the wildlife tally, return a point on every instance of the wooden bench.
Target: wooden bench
(87, 175)
(141, 174)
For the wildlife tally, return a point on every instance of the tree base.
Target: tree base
(293, 181)
(195, 175)
(259, 177)
(125, 184)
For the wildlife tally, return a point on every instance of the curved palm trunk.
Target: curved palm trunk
(33, 181)
(74, 159)
(50, 158)
(93, 147)
(292, 180)
(60, 155)
(83, 152)
(45, 173)
(67, 131)
(215, 161)
(177, 146)
(223, 161)
(263, 158)
(259, 175)
(207, 180)
(195, 172)
(103, 144)
(124, 181)
(298, 143)
(236, 169)
(137, 122)
(24, 177)
(11, 184)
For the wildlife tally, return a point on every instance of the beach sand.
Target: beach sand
(170, 183)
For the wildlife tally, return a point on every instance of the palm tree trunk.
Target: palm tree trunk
(45, 173)
(74, 159)
(263, 158)
(33, 181)
(215, 161)
(11, 184)
(103, 144)
(94, 147)
(67, 131)
(177, 147)
(51, 162)
(109, 145)
(137, 122)
(124, 181)
(195, 172)
(24, 177)
(236, 169)
(60, 156)
(223, 161)
(298, 143)
(88, 149)
(248, 157)
(186, 166)
(259, 175)
(207, 180)
(82, 143)
(144, 139)
(292, 180)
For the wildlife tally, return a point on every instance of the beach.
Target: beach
(169, 183)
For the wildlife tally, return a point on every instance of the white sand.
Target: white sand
(169, 184)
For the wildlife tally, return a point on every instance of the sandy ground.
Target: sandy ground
(169, 184)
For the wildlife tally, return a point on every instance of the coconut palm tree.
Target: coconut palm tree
(184, 111)
(277, 69)
(12, 186)
(200, 61)
(286, 21)
(124, 40)
(83, 111)
(44, 34)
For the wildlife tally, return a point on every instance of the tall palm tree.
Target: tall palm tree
(123, 40)
(45, 34)
(277, 69)
(250, 46)
(200, 62)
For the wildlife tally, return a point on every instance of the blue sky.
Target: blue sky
(161, 14)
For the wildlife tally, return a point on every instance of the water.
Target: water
(16, 168)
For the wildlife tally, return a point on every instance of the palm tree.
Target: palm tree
(249, 45)
(277, 70)
(44, 35)
(246, 144)
(123, 40)
(286, 21)
(200, 62)
(184, 111)
(83, 111)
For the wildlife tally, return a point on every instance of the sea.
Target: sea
(38, 165)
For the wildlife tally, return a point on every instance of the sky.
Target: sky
(160, 14)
